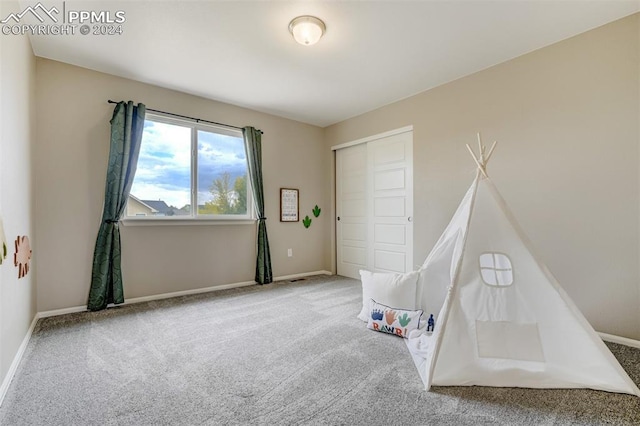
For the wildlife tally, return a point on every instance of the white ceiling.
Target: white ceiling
(372, 54)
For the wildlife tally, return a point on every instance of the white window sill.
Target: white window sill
(164, 221)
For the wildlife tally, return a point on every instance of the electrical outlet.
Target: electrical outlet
(290, 252)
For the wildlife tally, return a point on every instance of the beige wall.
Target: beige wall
(566, 118)
(70, 163)
(17, 115)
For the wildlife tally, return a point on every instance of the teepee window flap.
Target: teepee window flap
(496, 269)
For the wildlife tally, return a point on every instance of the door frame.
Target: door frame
(394, 132)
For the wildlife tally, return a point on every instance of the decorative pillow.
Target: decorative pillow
(389, 289)
(393, 321)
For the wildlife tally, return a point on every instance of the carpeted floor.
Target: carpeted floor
(286, 353)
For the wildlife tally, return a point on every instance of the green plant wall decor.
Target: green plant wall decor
(306, 221)
(316, 211)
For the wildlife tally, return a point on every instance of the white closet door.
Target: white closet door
(374, 205)
(390, 178)
(351, 208)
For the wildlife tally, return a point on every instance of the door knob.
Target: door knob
(409, 219)
(338, 217)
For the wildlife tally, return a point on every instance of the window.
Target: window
(190, 170)
(496, 269)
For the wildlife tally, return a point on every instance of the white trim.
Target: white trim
(16, 360)
(168, 118)
(63, 311)
(620, 340)
(170, 221)
(186, 292)
(74, 309)
(304, 274)
(373, 137)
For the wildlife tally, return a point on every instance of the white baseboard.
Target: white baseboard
(16, 360)
(620, 340)
(186, 292)
(161, 296)
(305, 274)
(56, 312)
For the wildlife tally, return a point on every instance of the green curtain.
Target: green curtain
(127, 125)
(253, 148)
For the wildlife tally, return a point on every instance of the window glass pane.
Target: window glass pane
(162, 183)
(222, 174)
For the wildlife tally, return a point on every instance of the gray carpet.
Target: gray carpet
(286, 353)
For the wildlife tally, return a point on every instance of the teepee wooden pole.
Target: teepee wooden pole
(480, 165)
(480, 148)
(490, 152)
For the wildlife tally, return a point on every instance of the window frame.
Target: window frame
(194, 218)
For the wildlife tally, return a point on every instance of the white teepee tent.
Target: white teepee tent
(503, 319)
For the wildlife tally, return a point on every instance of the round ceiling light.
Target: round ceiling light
(306, 29)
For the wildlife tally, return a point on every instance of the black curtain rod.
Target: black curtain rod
(197, 120)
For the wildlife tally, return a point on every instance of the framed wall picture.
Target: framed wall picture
(289, 205)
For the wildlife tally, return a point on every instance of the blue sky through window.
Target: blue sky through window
(218, 154)
(164, 165)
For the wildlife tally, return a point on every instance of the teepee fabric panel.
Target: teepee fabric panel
(435, 289)
(438, 270)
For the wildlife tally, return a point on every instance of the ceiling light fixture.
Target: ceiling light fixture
(307, 30)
